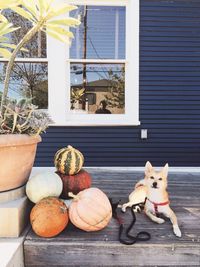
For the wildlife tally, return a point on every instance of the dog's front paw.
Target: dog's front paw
(177, 231)
(160, 220)
(123, 208)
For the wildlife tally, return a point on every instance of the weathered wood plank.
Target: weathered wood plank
(99, 254)
(74, 247)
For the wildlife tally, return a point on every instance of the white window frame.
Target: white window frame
(59, 74)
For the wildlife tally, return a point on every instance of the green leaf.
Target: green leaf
(42, 7)
(13, 46)
(63, 9)
(5, 53)
(57, 36)
(60, 30)
(3, 19)
(8, 45)
(3, 39)
(6, 28)
(71, 22)
(9, 3)
(31, 7)
(4, 25)
(27, 15)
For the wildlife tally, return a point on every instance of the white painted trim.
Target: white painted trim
(136, 169)
(111, 61)
(59, 81)
(141, 169)
(100, 2)
(28, 60)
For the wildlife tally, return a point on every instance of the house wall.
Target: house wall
(169, 97)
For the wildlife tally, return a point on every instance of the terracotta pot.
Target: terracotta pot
(17, 155)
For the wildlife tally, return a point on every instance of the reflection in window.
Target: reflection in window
(101, 34)
(93, 83)
(36, 46)
(28, 80)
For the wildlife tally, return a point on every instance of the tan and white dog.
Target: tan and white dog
(153, 188)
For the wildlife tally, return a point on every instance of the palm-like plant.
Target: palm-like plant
(44, 16)
(77, 93)
(7, 4)
(6, 27)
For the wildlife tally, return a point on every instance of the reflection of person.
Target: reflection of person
(102, 108)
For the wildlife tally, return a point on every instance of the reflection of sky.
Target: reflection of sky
(14, 86)
(105, 33)
(105, 40)
(94, 72)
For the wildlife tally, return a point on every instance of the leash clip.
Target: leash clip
(141, 236)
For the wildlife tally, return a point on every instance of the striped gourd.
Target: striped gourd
(68, 160)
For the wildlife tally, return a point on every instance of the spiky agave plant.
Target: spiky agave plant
(44, 16)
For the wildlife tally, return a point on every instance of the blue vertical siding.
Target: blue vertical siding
(169, 97)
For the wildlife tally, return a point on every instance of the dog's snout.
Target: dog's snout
(154, 184)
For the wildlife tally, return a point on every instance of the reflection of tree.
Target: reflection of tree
(34, 83)
(29, 79)
(116, 98)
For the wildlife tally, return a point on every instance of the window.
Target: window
(29, 77)
(96, 80)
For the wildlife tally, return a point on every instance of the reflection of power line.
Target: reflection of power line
(93, 71)
(105, 72)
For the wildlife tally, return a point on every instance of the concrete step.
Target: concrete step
(14, 216)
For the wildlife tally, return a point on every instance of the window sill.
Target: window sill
(93, 124)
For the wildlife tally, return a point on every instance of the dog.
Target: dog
(152, 190)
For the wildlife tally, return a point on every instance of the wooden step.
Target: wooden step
(74, 247)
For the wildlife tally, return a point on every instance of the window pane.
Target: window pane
(93, 83)
(36, 47)
(28, 80)
(101, 34)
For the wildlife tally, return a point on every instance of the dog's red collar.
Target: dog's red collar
(158, 204)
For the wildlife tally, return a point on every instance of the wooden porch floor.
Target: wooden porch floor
(74, 247)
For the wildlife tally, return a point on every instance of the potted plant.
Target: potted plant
(21, 123)
(76, 95)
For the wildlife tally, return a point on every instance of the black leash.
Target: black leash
(141, 236)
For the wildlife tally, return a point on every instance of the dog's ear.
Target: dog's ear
(165, 170)
(148, 168)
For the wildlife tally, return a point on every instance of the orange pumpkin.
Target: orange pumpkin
(90, 210)
(75, 183)
(49, 217)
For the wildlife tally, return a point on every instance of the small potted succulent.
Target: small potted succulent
(21, 123)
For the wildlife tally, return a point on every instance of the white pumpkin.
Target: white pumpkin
(45, 184)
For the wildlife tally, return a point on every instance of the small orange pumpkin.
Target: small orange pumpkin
(90, 210)
(49, 217)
